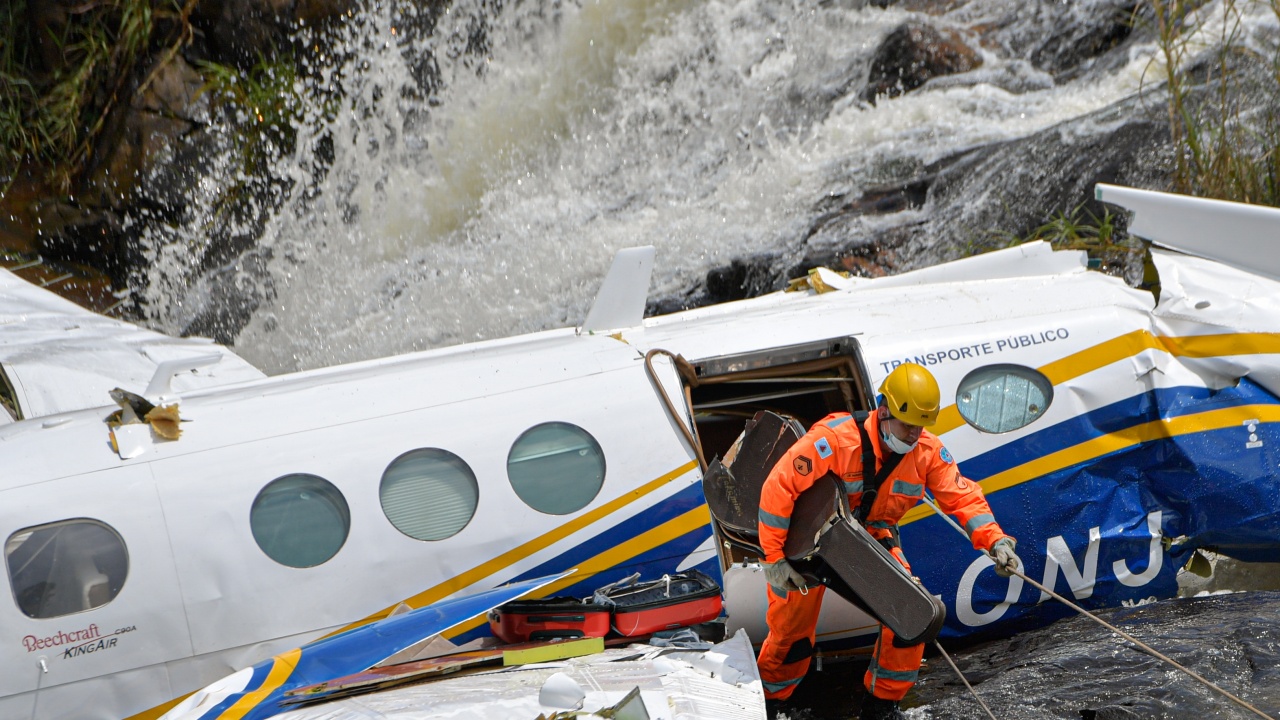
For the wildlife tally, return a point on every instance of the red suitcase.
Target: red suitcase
(545, 619)
(674, 601)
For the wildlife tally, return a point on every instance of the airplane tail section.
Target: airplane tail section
(620, 302)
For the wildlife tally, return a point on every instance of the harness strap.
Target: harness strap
(871, 489)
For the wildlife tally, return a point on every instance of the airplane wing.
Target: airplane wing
(56, 356)
(256, 692)
(1240, 235)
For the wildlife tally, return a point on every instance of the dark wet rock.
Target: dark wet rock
(742, 278)
(92, 237)
(1065, 39)
(1077, 669)
(238, 32)
(232, 293)
(931, 7)
(911, 55)
(876, 254)
(998, 195)
(163, 113)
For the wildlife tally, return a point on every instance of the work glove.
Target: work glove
(1006, 559)
(784, 577)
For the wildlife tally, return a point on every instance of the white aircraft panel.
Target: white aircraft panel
(143, 625)
(235, 593)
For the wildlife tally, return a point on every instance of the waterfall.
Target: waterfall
(477, 179)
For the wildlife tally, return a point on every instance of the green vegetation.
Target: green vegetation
(1226, 150)
(64, 68)
(262, 104)
(1108, 247)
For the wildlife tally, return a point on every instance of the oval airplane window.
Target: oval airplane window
(1002, 398)
(556, 468)
(300, 520)
(429, 494)
(65, 567)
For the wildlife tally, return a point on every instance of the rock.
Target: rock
(155, 122)
(1074, 668)
(912, 54)
(742, 278)
(238, 32)
(1066, 39)
(316, 12)
(88, 236)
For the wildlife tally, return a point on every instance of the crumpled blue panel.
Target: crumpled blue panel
(363, 647)
(1209, 483)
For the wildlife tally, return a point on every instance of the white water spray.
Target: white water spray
(708, 129)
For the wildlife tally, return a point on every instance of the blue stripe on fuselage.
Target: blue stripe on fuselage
(1118, 416)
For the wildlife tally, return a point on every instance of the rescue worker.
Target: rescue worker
(909, 403)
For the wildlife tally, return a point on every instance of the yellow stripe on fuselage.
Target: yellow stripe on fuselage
(1111, 442)
(282, 667)
(1101, 355)
(515, 555)
(645, 541)
(1130, 344)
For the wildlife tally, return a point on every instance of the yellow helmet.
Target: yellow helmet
(912, 394)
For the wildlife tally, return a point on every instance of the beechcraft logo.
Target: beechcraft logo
(76, 643)
(803, 465)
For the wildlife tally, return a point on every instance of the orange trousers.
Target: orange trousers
(784, 656)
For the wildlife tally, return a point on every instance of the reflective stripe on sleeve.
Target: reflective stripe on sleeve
(978, 521)
(902, 487)
(774, 521)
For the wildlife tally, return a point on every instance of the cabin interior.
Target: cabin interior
(804, 383)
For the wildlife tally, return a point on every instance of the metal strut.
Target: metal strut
(689, 434)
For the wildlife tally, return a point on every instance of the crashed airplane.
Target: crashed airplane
(171, 515)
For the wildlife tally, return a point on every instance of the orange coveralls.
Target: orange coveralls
(834, 444)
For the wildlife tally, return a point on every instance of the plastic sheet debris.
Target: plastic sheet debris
(561, 691)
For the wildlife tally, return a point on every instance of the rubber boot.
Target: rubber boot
(874, 708)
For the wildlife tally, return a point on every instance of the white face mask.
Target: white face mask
(892, 442)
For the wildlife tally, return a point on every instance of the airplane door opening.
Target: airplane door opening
(806, 382)
(801, 384)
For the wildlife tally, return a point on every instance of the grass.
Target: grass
(1226, 150)
(50, 117)
(1108, 247)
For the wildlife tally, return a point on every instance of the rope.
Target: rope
(1143, 646)
(963, 679)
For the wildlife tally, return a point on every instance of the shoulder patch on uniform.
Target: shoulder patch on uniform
(802, 464)
(823, 447)
(946, 456)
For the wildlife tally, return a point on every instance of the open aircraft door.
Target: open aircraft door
(94, 609)
(799, 383)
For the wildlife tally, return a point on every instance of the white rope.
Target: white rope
(964, 680)
(1147, 648)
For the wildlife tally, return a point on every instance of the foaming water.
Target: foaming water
(494, 205)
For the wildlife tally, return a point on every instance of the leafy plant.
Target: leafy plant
(1069, 231)
(262, 102)
(50, 117)
(1224, 149)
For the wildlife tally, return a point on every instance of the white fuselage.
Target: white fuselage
(201, 598)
